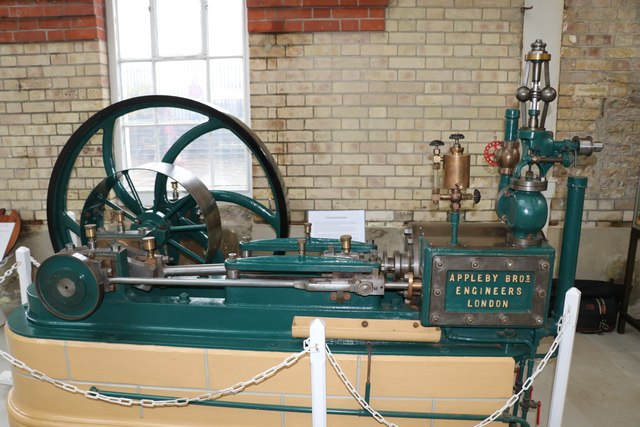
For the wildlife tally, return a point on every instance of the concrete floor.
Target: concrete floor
(604, 383)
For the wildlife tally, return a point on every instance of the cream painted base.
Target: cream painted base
(398, 383)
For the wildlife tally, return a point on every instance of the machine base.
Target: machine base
(476, 385)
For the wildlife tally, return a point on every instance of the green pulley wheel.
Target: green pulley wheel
(102, 127)
(70, 286)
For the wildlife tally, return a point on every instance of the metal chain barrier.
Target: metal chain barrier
(150, 403)
(257, 379)
(375, 414)
(9, 272)
(562, 323)
(14, 267)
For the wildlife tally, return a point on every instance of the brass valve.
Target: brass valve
(345, 241)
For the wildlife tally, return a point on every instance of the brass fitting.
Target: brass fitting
(91, 230)
(508, 157)
(120, 221)
(345, 241)
(149, 245)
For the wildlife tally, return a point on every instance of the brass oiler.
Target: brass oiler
(457, 165)
(457, 171)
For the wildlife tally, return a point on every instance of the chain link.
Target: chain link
(150, 403)
(562, 324)
(375, 414)
(9, 272)
(35, 262)
(15, 267)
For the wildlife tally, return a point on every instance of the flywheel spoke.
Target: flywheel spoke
(186, 250)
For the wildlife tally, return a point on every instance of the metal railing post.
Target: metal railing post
(23, 256)
(318, 373)
(563, 363)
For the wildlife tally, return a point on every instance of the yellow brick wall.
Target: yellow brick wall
(48, 91)
(349, 116)
(599, 87)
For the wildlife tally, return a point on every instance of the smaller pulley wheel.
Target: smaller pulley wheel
(176, 228)
(70, 286)
(489, 152)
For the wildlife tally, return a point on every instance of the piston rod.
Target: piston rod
(246, 282)
(212, 282)
(195, 270)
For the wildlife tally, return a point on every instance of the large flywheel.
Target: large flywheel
(99, 135)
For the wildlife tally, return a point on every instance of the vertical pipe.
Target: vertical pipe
(570, 240)
(318, 374)
(563, 363)
(23, 256)
(455, 220)
(511, 117)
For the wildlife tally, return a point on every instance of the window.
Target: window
(189, 48)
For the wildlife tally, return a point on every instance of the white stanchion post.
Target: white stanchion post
(563, 363)
(318, 373)
(23, 256)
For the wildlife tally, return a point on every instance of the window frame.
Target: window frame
(115, 78)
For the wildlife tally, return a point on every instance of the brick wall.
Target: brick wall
(349, 115)
(53, 77)
(599, 95)
(296, 16)
(24, 21)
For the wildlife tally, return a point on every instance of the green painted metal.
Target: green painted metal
(312, 244)
(307, 409)
(174, 225)
(70, 286)
(301, 264)
(492, 291)
(273, 218)
(576, 186)
(526, 212)
(536, 142)
(455, 221)
(243, 319)
(511, 116)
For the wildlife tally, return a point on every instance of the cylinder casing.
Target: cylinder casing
(456, 170)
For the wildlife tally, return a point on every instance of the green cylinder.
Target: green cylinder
(570, 240)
